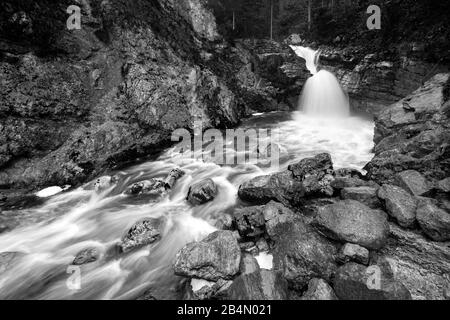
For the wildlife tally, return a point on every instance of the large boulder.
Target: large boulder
(202, 192)
(413, 182)
(352, 221)
(142, 233)
(259, 285)
(357, 282)
(319, 289)
(302, 254)
(399, 204)
(281, 187)
(366, 195)
(316, 174)
(216, 257)
(434, 221)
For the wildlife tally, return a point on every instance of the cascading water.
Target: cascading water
(322, 94)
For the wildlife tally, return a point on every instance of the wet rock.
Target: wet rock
(434, 221)
(353, 253)
(172, 178)
(86, 256)
(225, 222)
(105, 182)
(340, 183)
(262, 245)
(259, 285)
(347, 173)
(421, 264)
(248, 264)
(302, 254)
(399, 204)
(147, 187)
(280, 187)
(357, 282)
(318, 165)
(444, 185)
(142, 233)
(315, 174)
(413, 182)
(276, 214)
(354, 222)
(250, 221)
(216, 257)
(366, 195)
(21, 202)
(318, 289)
(207, 290)
(202, 192)
(9, 259)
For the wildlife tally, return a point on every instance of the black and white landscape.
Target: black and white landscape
(225, 150)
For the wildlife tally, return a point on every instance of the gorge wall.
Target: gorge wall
(75, 103)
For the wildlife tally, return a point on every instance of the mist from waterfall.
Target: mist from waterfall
(322, 94)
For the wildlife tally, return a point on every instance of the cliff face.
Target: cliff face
(375, 81)
(74, 103)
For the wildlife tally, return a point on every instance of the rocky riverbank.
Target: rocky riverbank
(316, 233)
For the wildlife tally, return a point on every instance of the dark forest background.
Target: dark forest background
(341, 22)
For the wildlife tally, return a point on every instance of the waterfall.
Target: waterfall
(322, 94)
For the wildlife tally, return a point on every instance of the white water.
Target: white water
(52, 234)
(322, 94)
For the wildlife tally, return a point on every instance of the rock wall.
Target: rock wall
(377, 80)
(74, 103)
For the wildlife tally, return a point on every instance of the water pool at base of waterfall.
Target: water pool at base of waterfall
(74, 220)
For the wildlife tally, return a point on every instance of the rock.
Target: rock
(259, 285)
(434, 221)
(447, 293)
(149, 187)
(302, 254)
(444, 185)
(276, 214)
(347, 173)
(357, 282)
(352, 221)
(225, 222)
(105, 182)
(413, 182)
(413, 140)
(280, 187)
(207, 290)
(366, 195)
(399, 204)
(86, 256)
(142, 233)
(262, 245)
(202, 192)
(421, 264)
(8, 259)
(353, 253)
(318, 165)
(216, 257)
(340, 183)
(315, 174)
(248, 264)
(172, 178)
(250, 221)
(318, 289)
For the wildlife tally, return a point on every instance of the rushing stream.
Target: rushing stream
(72, 221)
